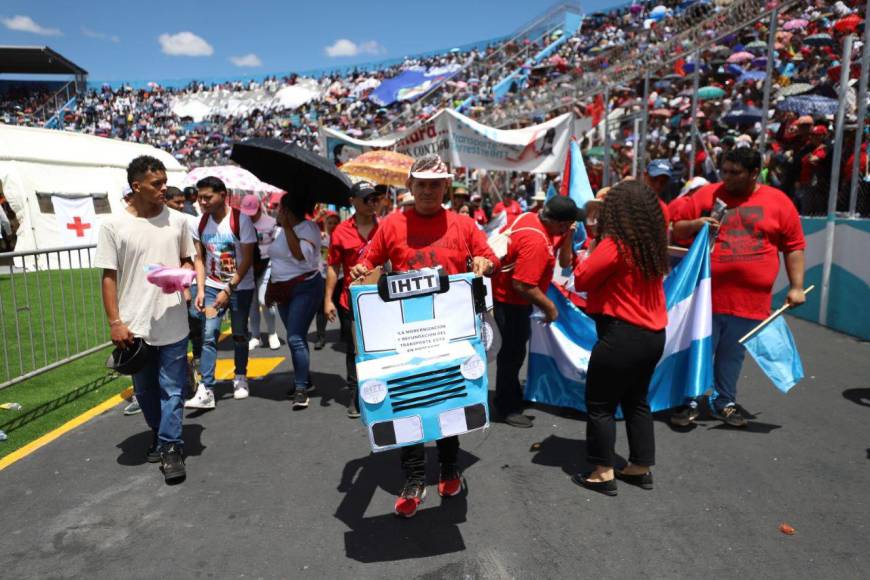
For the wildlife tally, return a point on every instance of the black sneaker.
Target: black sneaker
(731, 416)
(684, 415)
(353, 405)
(300, 400)
(172, 464)
(518, 420)
(321, 342)
(153, 453)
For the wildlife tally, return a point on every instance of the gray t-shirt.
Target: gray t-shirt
(130, 244)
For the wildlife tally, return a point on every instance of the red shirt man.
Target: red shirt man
(509, 205)
(526, 273)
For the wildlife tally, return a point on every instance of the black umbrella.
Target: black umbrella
(296, 170)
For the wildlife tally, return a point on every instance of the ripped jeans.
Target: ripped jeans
(239, 307)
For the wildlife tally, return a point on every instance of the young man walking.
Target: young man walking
(147, 233)
(224, 240)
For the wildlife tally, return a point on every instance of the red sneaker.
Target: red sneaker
(410, 499)
(450, 482)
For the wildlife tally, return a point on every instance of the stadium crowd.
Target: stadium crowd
(611, 47)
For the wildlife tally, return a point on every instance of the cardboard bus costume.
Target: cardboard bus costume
(420, 360)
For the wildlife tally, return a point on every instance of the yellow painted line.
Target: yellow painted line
(63, 429)
(257, 368)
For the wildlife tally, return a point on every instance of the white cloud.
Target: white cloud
(345, 47)
(248, 60)
(100, 35)
(184, 44)
(26, 24)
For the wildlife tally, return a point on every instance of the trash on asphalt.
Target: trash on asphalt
(786, 529)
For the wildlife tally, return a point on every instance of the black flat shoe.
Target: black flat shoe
(605, 487)
(644, 481)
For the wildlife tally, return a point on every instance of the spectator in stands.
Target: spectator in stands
(296, 285)
(224, 240)
(347, 244)
(265, 226)
(139, 311)
(527, 270)
(758, 224)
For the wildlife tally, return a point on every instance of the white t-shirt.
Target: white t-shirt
(284, 265)
(223, 251)
(129, 244)
(265, 227)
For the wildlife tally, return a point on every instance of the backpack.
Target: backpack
(259, 263)
(500, 243)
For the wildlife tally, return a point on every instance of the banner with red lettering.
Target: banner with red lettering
(76, 219)
(463, 142)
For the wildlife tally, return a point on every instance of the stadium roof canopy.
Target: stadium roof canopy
(36, 60)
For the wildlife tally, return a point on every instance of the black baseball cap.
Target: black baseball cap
(561, 208)
(362, 189)
(132, 359)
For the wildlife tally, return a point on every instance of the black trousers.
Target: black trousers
(620, 368)
(515, 326)
(345, 319)
(414, 457)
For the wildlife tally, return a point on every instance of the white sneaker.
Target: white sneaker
(254, 343)
(240, 387)
(274, 341)
(202, 399)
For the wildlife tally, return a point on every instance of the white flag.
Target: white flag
(76, 220)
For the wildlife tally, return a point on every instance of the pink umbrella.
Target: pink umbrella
(796, 24)
(740, 57)
(234, 177)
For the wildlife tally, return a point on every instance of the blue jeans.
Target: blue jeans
(239, 307)
(728, 357)
(159, 388)
(297, 314)
(258, 302)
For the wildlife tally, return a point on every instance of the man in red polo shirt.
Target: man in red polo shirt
(526, 273)
(758, 224)
(428, 236)
(349, 240)
(510, 206)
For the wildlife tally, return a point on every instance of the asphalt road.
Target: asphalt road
(273, 493)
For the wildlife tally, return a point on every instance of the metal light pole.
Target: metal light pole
(861, 108)
(696, 80)
(768, 79)
(644, 119)
(607, 144)
(835, 178)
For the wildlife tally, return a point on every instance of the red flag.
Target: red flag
(566, 175)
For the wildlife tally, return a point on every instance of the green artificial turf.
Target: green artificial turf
(46, 316)
(51, 399)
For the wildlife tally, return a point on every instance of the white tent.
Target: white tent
(44, 172)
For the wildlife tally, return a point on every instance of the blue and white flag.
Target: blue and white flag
(774, 350)
(559, 352)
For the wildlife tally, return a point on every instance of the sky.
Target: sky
(117, 40)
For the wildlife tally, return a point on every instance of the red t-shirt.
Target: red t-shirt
(411, 241)
(615, 287)
(480, 216)
(346, 246)
(512, 207)
(745, 258)
(807, 168)
(531, 253)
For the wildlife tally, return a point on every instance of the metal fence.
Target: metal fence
(50, 310)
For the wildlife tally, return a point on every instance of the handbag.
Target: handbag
(500, 243)
(281, 292)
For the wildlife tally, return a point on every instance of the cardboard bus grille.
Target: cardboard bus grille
(424, 389)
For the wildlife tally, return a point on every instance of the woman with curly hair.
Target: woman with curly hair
(623, 278)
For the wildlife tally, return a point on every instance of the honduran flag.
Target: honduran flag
(575, 181)
(559, 351)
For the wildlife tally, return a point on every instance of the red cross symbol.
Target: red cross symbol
(78, 226)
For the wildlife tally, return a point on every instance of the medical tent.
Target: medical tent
(61, 184)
